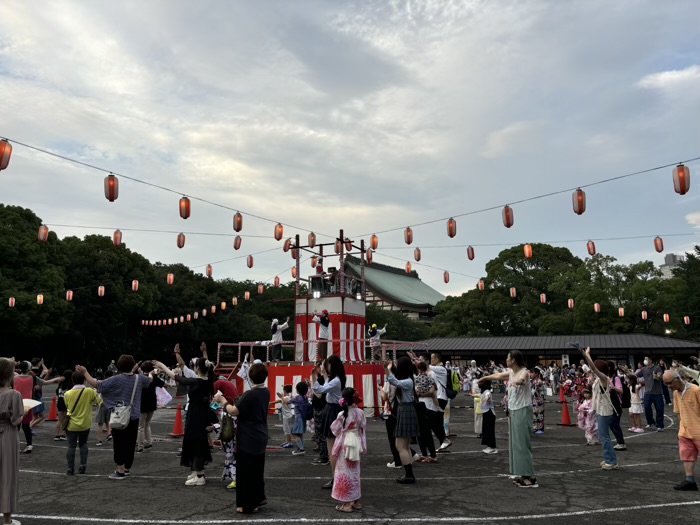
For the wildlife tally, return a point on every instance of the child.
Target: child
(478, 415)
(349, 431)
(488, 415)
(287, 414)
(299, 401)
(587, 419)
(103, 428)
(636, 407)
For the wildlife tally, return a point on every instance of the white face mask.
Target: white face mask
(646, 362)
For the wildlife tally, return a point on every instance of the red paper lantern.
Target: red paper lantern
(223, 305)
(667, 318)
(481, 285)
(374, 242)
(5, 153)
(134, 286)
(681, 178)
(686, 320)
(446, 276)
(237, 222)
(659, 244)
(312, 240)
(287, 245)
(170, 321)
(210, 270)
(596, 308)
(590, 246)
(117, 238)
(579, 201)
(237, 242)
(43, 233)
(294, 272)
(69, 295)
(40, 299)
(247, 296)
(570, 304)
(314, 261)
(543, 298)
(160, 322)
(111, 187)
(277, 282)
(171, 279)
(279, 231)
(184, 207)
(408, 235)
(348, 245)
(337, 247)
(408, 268)
(295, 253)
(189, 318)
(645, 315)
(234, 301)
(101, 291)
(369, 256)
(250, 261)
(11, 302)
(261, 289)
(182, 318)
(508, 216)
(180, 240)
(174, 320)
(527, 249)
(416, 254)
(451, 227)
(470, 253)
(513, 293)
(621, 312)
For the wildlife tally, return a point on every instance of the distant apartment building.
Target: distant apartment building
(671, 261)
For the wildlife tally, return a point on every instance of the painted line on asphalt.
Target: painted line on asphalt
(448, 519)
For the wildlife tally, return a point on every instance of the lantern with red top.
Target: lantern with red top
(237, 222)
(446, 276)
(237, 242)
(117, 238)
(667, 318)
(681, 179)
(134, 286)
(570, 304)
(578, 199)
(481, 285)
(513, 293)
(596, 308)
(590, 246)
(43, 235)
(658, 244)
(686, 320)
(470, 253)
(184, 207)
(451, 227)
(408, 235)
(279, 231)
(645, 315)
(543, 298)
(69, 295)
(111, 187)
(5, 153)
(210, 270)
(508, 216)
(416, 254)
(180, 240)
(374, 242)
(101, 291)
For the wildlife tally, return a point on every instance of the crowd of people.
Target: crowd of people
(416, 397)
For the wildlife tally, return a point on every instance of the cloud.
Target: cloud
(671, 79)
(512, 139)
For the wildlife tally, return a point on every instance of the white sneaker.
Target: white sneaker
(489, 450)
(192, 475)
(416, 457)
(607, 466)
(196, 481)
(392, 465)
(445, 444)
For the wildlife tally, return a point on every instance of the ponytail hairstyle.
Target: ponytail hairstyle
(348, 398)
(206, 368)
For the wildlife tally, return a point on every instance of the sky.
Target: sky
(360, 115)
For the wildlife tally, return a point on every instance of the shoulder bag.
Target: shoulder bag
(66, 418)
(121, 414)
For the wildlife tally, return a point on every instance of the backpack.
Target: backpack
(307, 411)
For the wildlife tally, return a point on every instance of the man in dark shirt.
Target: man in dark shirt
(653, 393)
(149, 404)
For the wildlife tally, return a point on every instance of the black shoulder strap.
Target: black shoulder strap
(76, 401)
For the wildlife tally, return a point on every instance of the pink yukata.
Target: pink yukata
(350, 442)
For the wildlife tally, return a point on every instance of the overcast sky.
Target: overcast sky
(357, 115)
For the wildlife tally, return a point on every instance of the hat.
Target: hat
(257, 362)
(274, 322)
(374, 325)
(324, 312)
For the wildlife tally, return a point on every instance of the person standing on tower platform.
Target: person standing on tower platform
(324, 320)
(375, 343)
(276, 341)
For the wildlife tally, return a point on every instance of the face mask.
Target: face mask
(646, 362)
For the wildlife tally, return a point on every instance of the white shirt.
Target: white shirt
(374, 340)
(277, 336)
(519, 396)
(323, 330)
(440, 375)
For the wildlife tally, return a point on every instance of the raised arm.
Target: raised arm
(603, 378)
(180, 361)
(88, 378)
(499, 376)
(165, 369)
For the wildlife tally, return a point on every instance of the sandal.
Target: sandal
(357, 506)
(527, 483)
(343, 508)
(241, 510)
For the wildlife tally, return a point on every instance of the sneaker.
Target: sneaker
(231, 485)
(686, 485)
(639, 431)
(489, 450)
(445, 444)
(27, 450)
(660, 429)
(82, 469)
(631, 429)
(649, 426)
(620, 447)
(393, 465)
(57, 438)
(139, 449)
(286, 445)
(197, 481)
(404, 480)
(70, 472)
(62, 438)
(192, 475)
(117, 475)
(416, 457)
(298, 452)
(327, 485)
(147, 446)
(127, 472)
(109, 438)
(608, 466)
(539, 432)
(99, 444)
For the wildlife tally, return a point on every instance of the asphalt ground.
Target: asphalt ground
(465, 486)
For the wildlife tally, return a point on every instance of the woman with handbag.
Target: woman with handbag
(77, 421)
(121, 395)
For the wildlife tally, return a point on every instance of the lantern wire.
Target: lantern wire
(157, 186)
(426, 266)
(147, 230)
(536, 197)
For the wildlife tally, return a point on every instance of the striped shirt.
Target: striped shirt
(687, 405)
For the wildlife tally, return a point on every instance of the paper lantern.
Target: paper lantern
(261, 289)
(117, 238)
(223, 305)
(527, 249)
(237, 222)
(143, 322)
(160, 322)
(171, 279)
(312, 240)
(69, 295)
(40, 299)
(543, 298)
(446, 276)
(11, 302)
(508, 216)
(195, 315)
(180, 240)
(295, 253)
(374, 242)
(667, 318)
(416, 254)
(43, 233)
(578, 199)
(237, 242)
(170, 321)
(247, 296)
(314, 261)
(287, 245)
(294, 272)
(189, 318)
(570, 303)
(184, 207)
(686, 319)
(182, 318)
(481, 285)
(470, 253)
(134, 286)
(681, 178)
(369, 256)
(111, 187)
(250, 261)
(645, 315)
(213, 309)
(234, 301)
(5, 153)
(174, 320)
(408, 267)
(210, 270)
(659, 244)
(348, 245)
(596, 308)
(590, 246)
(204, 312)
(277, 282)
(451, 227)
(513, 293)
(621, 312)
(408, 235)
(336, 247)
(101, 291)
(279, 231)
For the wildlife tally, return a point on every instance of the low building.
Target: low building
(671, 261)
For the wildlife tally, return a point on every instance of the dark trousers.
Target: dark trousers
(616, 430)
(77, 439)
(488, 429)
(390, 431)
(437, 425)
(319, 438)
(124, 443)
(27, 433)
(667, 394)
(250, 480)
(658, 401)
(425, 439)
(276, 352)
(321, 350)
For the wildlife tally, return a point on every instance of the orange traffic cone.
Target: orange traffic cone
(565, 417)
(562, 399)
(178, 429)
(53, 413)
